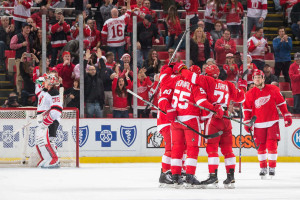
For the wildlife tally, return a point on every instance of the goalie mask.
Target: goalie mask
(52, 80)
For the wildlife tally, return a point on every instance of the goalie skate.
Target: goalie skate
(165, 180)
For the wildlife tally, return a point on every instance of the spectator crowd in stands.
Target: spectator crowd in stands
(108, 38)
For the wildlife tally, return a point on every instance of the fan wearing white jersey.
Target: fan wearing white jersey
(49, 110)
(114, 30)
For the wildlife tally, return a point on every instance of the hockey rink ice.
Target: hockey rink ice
(139, 181)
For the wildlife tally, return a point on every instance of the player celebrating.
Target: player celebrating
(49, 109)
(218, 96)
(163, 124)
(181, 136)
(262, 101)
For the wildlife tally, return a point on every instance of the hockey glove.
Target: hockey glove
(219, 111)
(287, 120)
(171, 114)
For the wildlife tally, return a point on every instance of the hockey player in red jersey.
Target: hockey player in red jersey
(218, 96)
(163, 124)
(49, 110)
(262, 101)
(184, 137)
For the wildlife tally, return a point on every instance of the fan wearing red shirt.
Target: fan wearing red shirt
(250, 67)
(218, 96)
(95, 39)
(137, 10)
(120, 100)
(143, 86)
(231, 68)
(65, 70)
(262, 101)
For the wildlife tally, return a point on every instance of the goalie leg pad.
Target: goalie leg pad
(48, 156)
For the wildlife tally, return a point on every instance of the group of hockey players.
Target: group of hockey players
(181, 90)
(48, 117)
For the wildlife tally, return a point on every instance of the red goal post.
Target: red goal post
(17, 137)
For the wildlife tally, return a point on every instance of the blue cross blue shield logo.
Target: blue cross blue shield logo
(106, 136)
(61, 136)
(8, 137)
(128, 135)
(31, 138)
(83, 134)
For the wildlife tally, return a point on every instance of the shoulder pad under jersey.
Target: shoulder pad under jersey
(53, 92)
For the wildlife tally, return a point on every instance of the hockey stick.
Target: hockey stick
(250, 124)
(252, 138)
(240, 140)
(180, 122)
(170, 61)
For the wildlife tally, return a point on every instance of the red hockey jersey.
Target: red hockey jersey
(262, 103)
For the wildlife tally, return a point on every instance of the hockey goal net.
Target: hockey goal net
(17, 137)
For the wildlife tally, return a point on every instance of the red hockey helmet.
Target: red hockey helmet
(196, 69)
(213, 71)
(258, 72)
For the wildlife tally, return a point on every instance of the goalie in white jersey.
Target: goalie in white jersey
(48, 113)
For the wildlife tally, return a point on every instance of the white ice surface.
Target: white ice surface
(139, 182)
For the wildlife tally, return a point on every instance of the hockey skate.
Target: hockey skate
(165, 179)
(192, 182)
(183, 175)
(230, 181)
(211, 182)
(263, 173)
(177, 181)
(271, 172)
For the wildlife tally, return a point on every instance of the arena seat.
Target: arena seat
(290, 101)
(284, 86)
(163, 55)
(269, 56)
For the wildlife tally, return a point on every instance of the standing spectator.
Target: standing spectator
(137, 10)
(231, 68)
(94, 39)
(145, 32)
(238, 59)
(256, 13)
(12, 101)
(110, 60)
(233, 10)
(282, 45)
(65, 70)
(74, 30)
(120, 100)
(250, 69)
(94, 93)
(37, 17)
(269, 77)
(295, 18)
(152, 64)
(105, 9)
(73, 95)
(22, 42)
(191, 8)
(114, 31)
(258, 47)
(147, 4)
(208, 35)
(56, 4)
(26, 70)
(217, 33)
(37, 45)
(295, 82)
(212, 13)
(21, 13)
(174, 27)
(6, 33)
(224, 46)
(59, 32)
(199, 48)
(143, 87)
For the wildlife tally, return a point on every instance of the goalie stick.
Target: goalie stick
(180, 122)
(250, 124)
(170, 61)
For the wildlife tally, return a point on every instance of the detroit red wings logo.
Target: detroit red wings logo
(261, 101)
